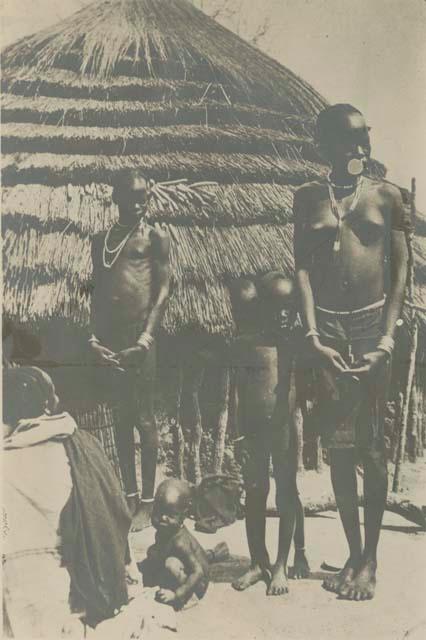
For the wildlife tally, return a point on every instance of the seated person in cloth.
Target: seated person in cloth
(350, 249)
(67, 521)
(130, 291)
(264, 314)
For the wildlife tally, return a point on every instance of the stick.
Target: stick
(222, 423)
(394, 503)
(413, 349)
(178, 439)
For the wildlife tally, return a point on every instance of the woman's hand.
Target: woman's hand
(103, 355)
(370, 364)
(132, 357)
(329, 357)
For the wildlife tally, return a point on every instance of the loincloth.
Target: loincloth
(349, 412)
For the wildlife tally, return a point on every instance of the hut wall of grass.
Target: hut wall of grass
(157, 85)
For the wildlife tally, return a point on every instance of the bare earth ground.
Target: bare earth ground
(308, 611)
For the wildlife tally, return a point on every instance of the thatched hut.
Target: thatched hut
(153, 84)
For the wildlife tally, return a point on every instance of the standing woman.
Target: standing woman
(351, 268)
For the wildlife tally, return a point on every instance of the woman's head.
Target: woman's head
(28, 392)
(343, 137)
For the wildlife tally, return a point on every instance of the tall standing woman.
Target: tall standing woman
(351, 269)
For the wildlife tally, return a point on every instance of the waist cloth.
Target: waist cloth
(351, 412)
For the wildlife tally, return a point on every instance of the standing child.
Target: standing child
(263, 355)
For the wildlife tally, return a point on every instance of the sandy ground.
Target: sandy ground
(309, 611)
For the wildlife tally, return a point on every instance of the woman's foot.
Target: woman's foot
(255, 574)
(337, 582)
(279, 584)
(363, 585)
(142, 518)
(301, 566)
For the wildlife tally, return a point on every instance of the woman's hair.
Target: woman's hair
(328, 121)
(124, 179)
(25, 393)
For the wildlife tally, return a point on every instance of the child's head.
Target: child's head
(171, 505)
(28, 392)
(277, 294)
(264, 303)
(245, 305)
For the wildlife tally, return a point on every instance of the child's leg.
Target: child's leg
(173, 574)
(301, 565)
(286, 497)
(256, 479)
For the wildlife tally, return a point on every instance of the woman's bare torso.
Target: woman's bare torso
(356, 277)
(123, 293)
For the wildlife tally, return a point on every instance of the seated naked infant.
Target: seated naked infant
(176, 562)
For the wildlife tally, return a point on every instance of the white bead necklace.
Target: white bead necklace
(339, 214)
(115, 253)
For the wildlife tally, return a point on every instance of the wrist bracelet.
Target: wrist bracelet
(387, 344)
(93, 338)
(145, 340)
(312, 333)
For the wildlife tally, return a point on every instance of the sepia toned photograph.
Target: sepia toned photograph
(213, 319)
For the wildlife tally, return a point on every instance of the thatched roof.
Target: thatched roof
(158, 85)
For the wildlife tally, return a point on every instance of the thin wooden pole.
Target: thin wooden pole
(178, 439)
(219, 445)
(413, 439)
(413, 348)
(193, 378)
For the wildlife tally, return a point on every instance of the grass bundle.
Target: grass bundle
(29, 137)
(226, 168)
(122, 113)
(60, 83)
(90, 208)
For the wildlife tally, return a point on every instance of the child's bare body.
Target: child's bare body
(263, 358)
(176, 562)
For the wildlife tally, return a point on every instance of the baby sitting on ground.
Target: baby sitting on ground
(176, 562)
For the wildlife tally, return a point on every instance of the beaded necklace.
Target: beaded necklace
(115, 253)
(337, 210)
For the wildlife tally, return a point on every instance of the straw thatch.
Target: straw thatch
(158, 85)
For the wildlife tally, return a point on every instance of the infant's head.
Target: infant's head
(28, 392)
(171, 505)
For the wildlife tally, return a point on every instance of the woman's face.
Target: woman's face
(348, 147)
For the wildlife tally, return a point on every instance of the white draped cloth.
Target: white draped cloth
(37, 485)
